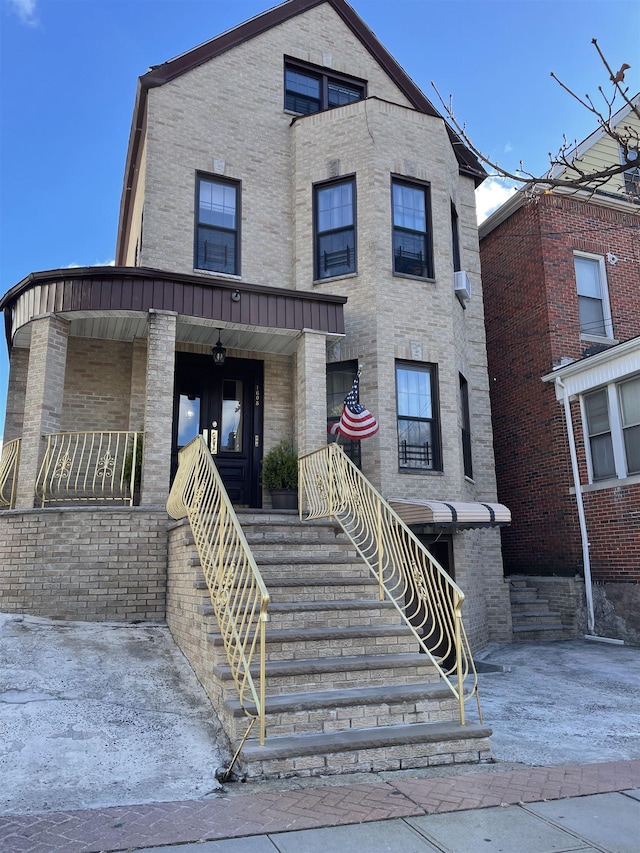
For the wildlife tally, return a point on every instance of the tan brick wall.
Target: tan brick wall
(97, 386)
(91, 564)
(252, 137)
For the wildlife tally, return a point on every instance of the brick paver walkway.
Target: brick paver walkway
(127, 827)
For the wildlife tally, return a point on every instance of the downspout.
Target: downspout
(581, 517)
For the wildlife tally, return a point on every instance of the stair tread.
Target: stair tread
(311, 700)
(347, 663)
(331, 604)
(292, 634)
(291, 746)
(551, 627)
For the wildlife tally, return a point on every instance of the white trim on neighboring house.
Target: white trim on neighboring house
(612, 365)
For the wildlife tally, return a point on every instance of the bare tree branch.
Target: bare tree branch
(576, 174)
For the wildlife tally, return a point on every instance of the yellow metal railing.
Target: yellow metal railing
(90, 466)
(428, 600)
(238, 593)
(9, 472)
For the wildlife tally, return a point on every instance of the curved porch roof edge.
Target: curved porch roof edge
(112, 289)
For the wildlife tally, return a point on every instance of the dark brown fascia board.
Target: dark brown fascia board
(162, 275)
(173, 68)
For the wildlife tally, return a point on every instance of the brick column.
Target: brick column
(138, 384)
(158, 407)
(43, 399)
(16, 390)
(311, 392)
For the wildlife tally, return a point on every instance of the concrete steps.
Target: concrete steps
(531, 615)
(346, 688)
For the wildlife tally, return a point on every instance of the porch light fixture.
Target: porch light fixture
(218, 352)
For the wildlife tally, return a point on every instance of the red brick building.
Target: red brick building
(561, 279)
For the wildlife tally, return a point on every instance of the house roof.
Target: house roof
(585, 374)
(167, 71)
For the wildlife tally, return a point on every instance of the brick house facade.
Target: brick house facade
(534, 255)
(312, 220)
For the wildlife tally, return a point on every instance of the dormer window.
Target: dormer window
(310, 89)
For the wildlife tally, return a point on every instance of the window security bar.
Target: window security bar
(340, 258)
(415, 455)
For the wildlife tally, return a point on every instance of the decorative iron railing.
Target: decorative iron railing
(238, 593)
(427, 599)
(90, 466)
(9, 472)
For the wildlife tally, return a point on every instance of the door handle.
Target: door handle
(213, 438)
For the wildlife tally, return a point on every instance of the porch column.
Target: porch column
(311, 392)
(158, 407)
(16, 390)
(43, 399)
(138, 384)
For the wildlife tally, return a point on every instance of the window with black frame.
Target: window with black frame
(412, 252)
(417, 413)
(310, 89)
(339, 382)
(465, 428)
(217, 226)
(335, 232)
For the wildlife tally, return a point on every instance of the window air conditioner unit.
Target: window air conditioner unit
(462, 286)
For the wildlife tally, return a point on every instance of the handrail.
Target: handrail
(428, 600)
(90, 466)
(238, 593)
(9, 472)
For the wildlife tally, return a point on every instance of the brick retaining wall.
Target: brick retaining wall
(92, 564)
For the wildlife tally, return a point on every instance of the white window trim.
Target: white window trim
(617, 439)
(604, 287)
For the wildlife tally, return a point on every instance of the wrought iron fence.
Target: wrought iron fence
(9, 472)
(428, 600)
(90, 466)
(238, 593)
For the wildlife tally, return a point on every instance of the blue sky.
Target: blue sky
(68, 73)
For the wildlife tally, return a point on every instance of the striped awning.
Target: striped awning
(452, 513)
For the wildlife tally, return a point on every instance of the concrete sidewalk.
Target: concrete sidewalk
(532, 810)
(107, 742)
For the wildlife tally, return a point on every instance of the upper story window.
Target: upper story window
(217, 225)
(418, 417)
(412, 249)
(593, 300)
(465, 428)
(612, 419)
(335, 233)
(310, 89)
(455, 239)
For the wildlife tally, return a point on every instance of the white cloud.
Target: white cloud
(508, 147)
(110, 263)
(26, 11)
(490, 195)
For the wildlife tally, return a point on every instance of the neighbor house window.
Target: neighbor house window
(465, 421)
(412, 253)
(417, 408)
(632, 177)
(217, 228)
(593, 303)
(310, 89)
(612, 418)
(335, 235)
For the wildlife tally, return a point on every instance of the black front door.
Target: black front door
(223, 404)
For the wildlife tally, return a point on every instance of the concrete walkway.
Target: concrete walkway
(107, 743)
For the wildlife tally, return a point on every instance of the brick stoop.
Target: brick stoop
(531, 616)
(347, 690)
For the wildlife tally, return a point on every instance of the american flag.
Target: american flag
(356, 422)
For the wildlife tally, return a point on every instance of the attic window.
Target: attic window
(310, 89)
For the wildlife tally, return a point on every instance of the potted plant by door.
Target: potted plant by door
(280, 475)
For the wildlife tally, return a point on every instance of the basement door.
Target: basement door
(224, 405)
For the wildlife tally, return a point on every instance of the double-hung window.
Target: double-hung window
(335, 231)
(465, 428)
(612, 419)
(593, 302)
(310, 89)
(217, 225)
(417, 413)
(412, 251)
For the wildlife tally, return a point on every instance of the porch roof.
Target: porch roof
(452, 513)
(113, 303)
